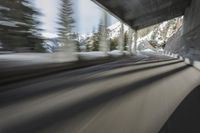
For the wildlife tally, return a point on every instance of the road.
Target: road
(134, 95)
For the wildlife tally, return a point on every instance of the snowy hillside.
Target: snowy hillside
(157, 34)
(153, 37)
(114, 30)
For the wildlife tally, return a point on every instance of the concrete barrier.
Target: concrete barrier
(188, 61)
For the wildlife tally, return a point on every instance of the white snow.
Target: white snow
(114, 30)
(99, 54)
(157, 31)
(148, 51)
(30, 57)
(117, 53)
(49, 35)
(92, 55)
(18, 59)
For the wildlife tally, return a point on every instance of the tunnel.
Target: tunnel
(139, 14)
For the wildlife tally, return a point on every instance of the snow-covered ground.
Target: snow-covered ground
(17, 59)
(92, 55)
(148, 51)
(99, 54)
(24, 59)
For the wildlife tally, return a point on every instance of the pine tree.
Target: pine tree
(66, 21)
(65, 36)
(93, 43)
(96, 42)
(19, 27)
(113, 44)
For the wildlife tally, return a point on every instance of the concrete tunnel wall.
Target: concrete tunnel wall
(187, 41)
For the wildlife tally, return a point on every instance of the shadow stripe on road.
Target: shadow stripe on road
(143, 62)
(34, 124)
(17, 95)
(84, 71)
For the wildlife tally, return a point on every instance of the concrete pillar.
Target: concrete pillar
(121, 39)
(186, 44)
(130, 38)
(135, 41)
(104, 43)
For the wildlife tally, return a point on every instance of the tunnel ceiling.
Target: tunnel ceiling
(142, 13)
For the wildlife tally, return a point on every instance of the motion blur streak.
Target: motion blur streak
(69, 66)
(136, 94)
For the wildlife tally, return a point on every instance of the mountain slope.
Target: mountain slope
(156, 35)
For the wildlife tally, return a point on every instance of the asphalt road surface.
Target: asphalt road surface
(136, 95)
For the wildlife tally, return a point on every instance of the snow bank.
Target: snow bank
(38, 58)
(99, 54)
(91, 55)
(148, 51)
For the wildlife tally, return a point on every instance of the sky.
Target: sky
(86, 14)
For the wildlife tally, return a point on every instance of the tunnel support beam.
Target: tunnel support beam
(135, 42)
(121, 39)
(104, 44)
(130, 41)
